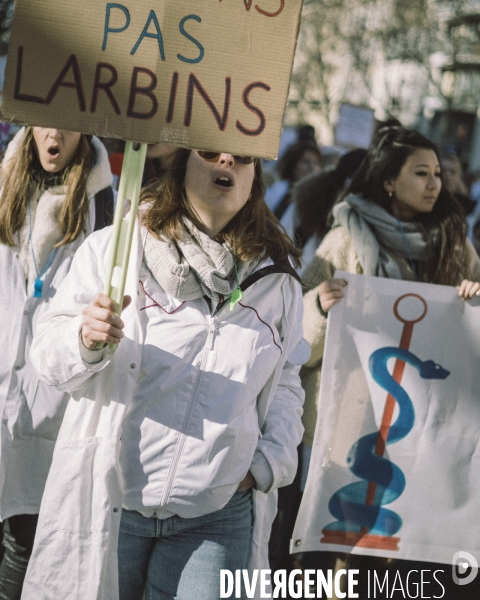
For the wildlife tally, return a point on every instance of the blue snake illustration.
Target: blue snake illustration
(348, 503)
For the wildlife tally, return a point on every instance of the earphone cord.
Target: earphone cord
(407, 248)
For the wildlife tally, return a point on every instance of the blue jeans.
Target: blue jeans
(180, 559)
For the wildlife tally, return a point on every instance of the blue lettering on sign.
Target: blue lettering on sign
(107, 29)
(189, 37)
(152, 18)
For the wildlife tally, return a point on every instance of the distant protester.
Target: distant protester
(314, 197)
(159, 158)
(452, 174)
(298, 161)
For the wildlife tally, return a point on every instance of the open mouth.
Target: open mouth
(53, 151)
(224, 181)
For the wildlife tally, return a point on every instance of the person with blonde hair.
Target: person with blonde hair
(55, 189)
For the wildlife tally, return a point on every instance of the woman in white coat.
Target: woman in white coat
(170, 439)
(50, 181)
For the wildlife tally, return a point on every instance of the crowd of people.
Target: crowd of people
(142, 446)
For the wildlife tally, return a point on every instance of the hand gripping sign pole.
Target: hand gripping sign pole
(121, 243)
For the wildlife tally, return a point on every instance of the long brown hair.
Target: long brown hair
(253, 233)
(444, 228)
(16, 180)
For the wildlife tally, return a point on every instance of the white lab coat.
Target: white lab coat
(75, 552)
(31, 411)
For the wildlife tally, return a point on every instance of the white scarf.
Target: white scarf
(194, 266)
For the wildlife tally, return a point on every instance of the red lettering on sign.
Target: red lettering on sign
(143, 83)
(105, 86)
(72, 63)
(275, 14)
(254, 109)
(17, 95)
(248, 6)
(147, 91)
(173, 96)
(194, 83)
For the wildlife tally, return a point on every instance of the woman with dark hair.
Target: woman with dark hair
(395, 220)
(314, 197)
(159, 158)
(190, 417)
(55, 185)
(452, 174)
(298, 161)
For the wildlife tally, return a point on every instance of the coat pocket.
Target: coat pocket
(46, 408)
(68, 498)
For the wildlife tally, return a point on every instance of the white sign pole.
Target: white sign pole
(123, 226)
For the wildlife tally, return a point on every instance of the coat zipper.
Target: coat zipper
(183, 436)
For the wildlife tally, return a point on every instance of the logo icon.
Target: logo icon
(461, 562)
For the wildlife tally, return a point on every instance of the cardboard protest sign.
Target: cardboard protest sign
(395, 467)
(208, 75)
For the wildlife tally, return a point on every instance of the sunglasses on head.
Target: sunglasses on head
(243, 160)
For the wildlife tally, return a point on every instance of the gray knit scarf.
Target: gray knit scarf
(372, 230)
(194, 266)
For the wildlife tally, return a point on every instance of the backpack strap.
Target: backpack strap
(277, 267)
(104, 208)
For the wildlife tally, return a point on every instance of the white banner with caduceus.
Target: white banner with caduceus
(395, 468)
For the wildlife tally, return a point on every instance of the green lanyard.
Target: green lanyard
(237, 294)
